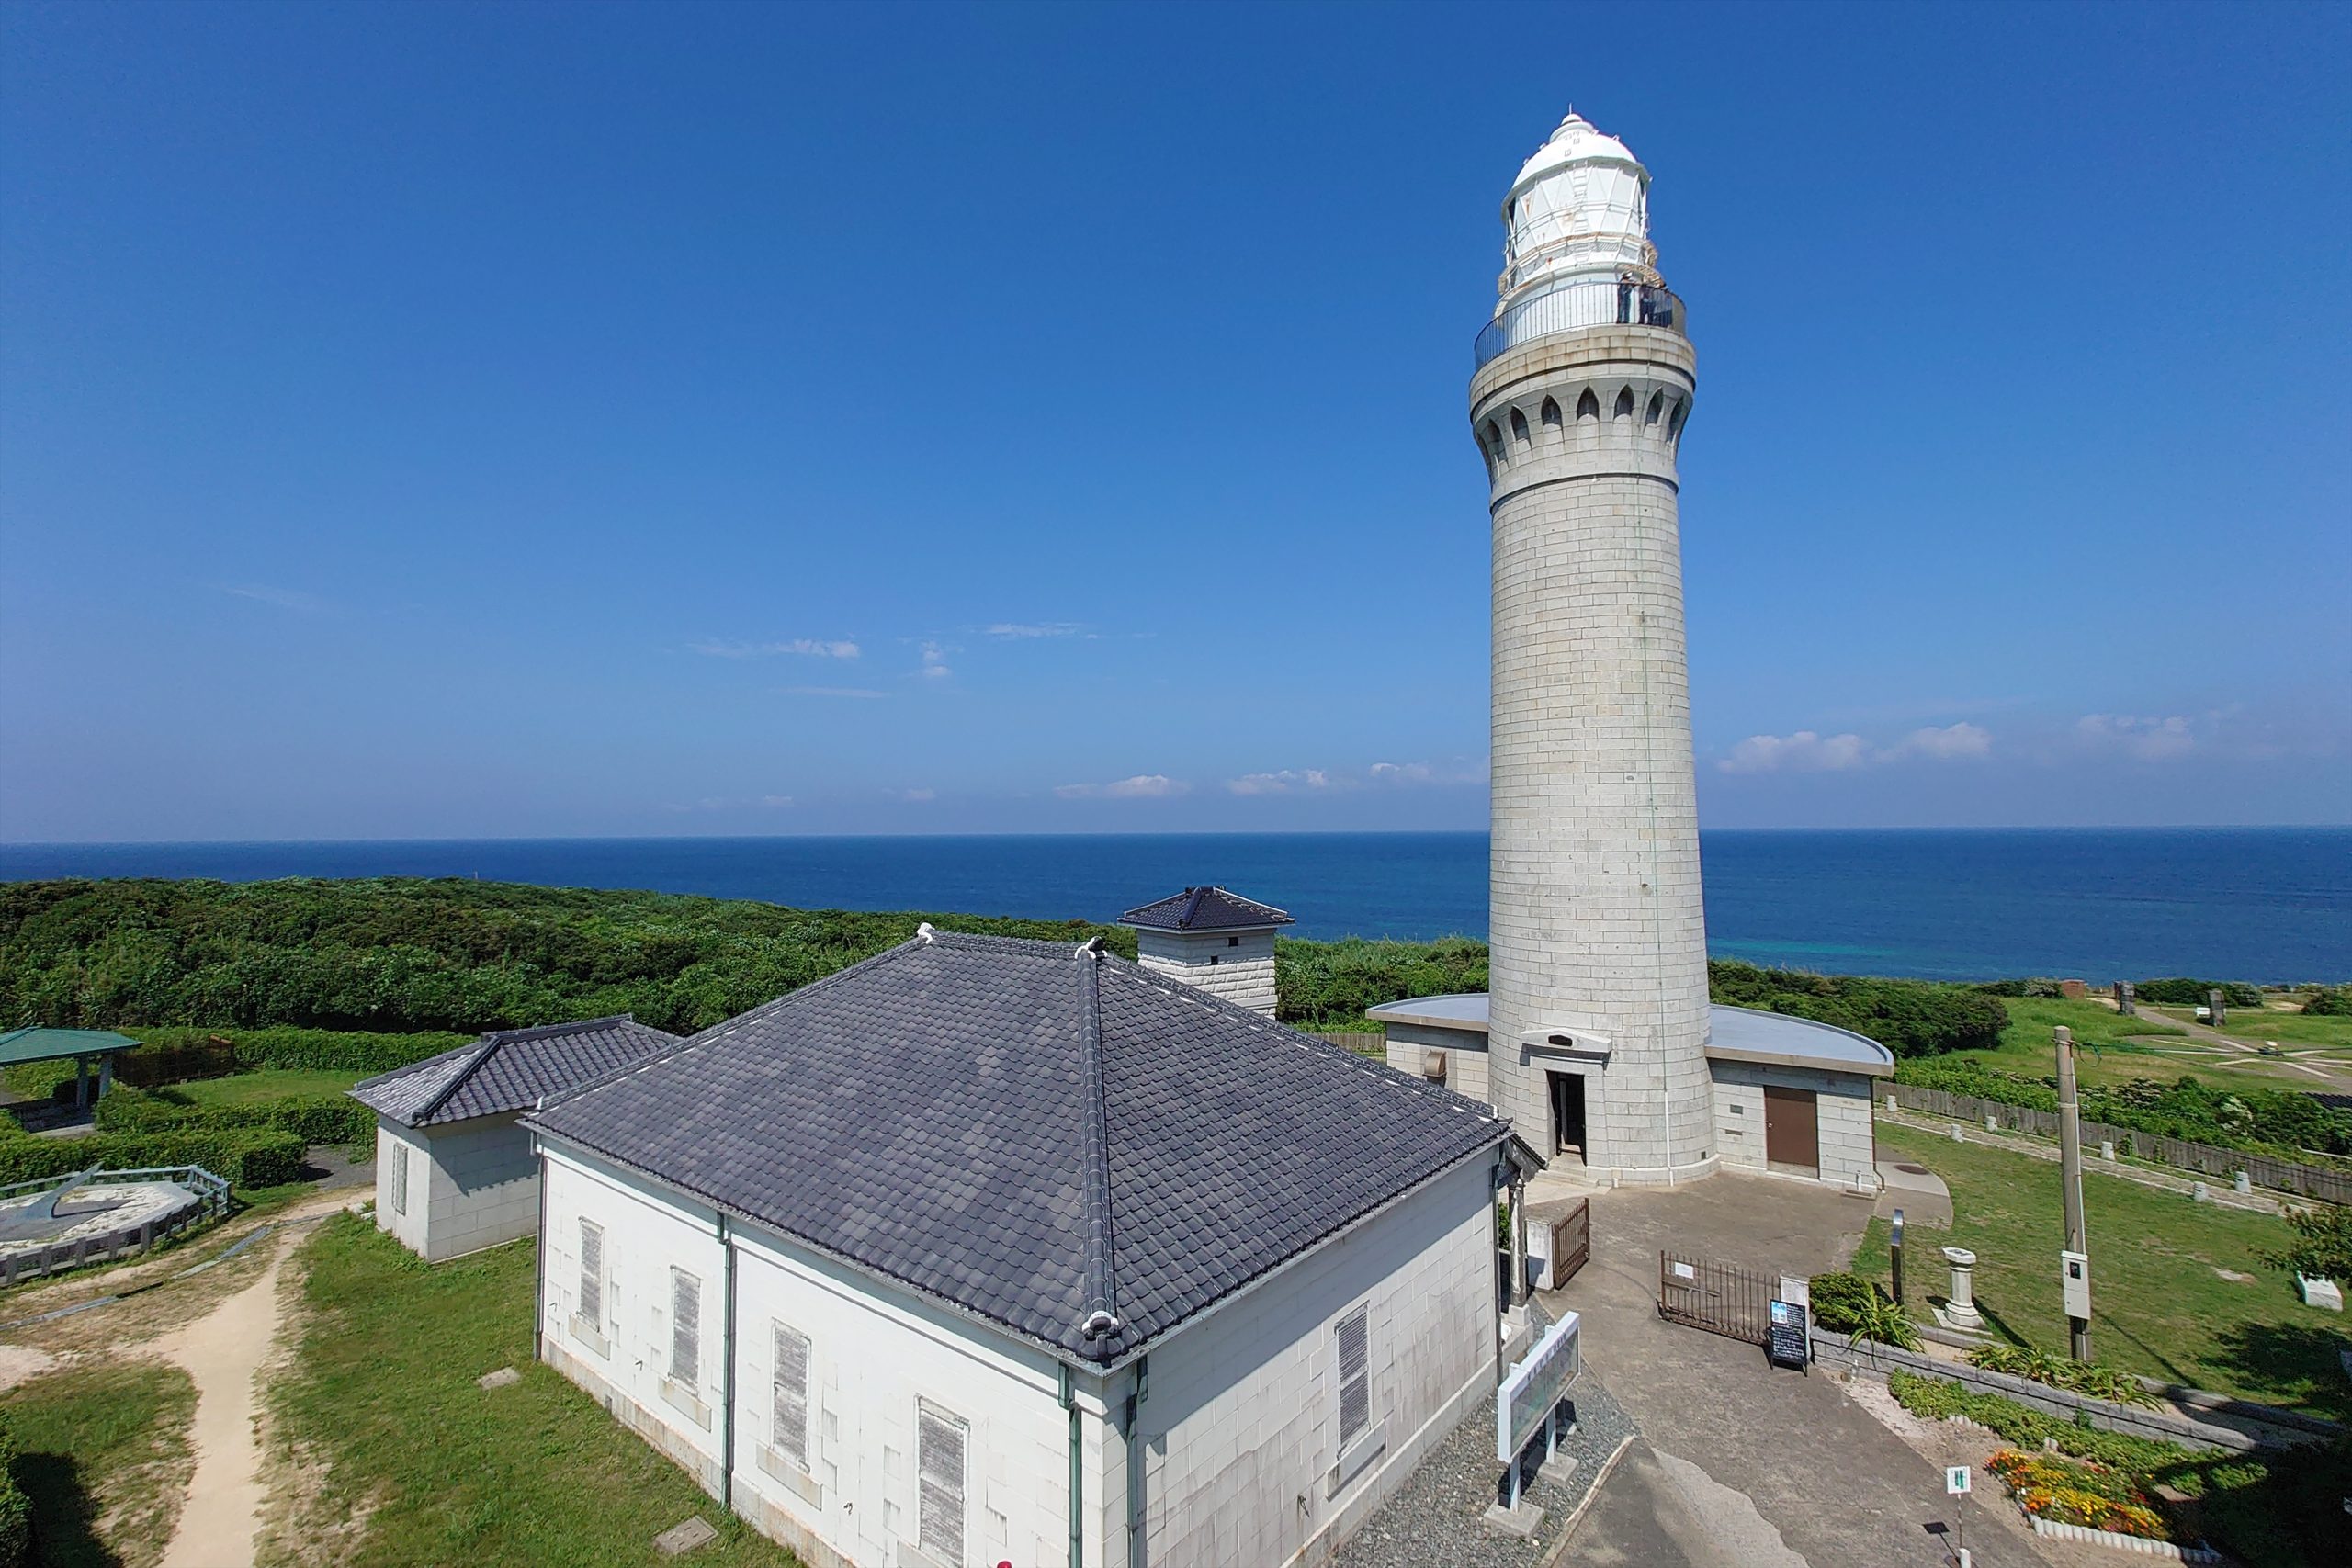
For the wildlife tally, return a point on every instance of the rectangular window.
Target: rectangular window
(592, 1274)
(399, 1179)
(790, 1433)
(940, 1441)
(1355, 1373)
(685, 1327)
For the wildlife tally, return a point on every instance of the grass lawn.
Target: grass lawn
(382, 1394)
(2258, 1025)
(2160, 1307)
(267, 1083)
(2110, 1053)
(102, 1452)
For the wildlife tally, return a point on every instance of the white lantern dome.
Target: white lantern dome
(1578, 212)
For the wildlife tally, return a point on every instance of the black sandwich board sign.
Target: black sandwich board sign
(1786, 1344)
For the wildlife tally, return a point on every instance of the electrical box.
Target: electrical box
(2074, 1283)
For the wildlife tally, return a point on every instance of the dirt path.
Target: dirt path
(223, 1351)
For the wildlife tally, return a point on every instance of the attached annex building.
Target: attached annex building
(1790, 1097)
(986, 1250)
(453, 1173)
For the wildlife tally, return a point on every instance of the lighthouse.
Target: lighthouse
(1598, 1019)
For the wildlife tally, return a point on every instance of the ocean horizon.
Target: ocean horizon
(2261, 904)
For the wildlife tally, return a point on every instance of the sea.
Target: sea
(2269, 904)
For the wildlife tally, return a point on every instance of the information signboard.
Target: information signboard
(1956, 1481)
(1786, 1342)
(1533, 1387)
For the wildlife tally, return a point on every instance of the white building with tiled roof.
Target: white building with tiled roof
(985, 1251)
(454, 1174)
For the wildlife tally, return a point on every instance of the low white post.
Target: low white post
(2243, 1182)
(2106, 1149)
(1960, 1311)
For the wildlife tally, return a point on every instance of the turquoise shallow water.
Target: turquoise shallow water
(2253, 903)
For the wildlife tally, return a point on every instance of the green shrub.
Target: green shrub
(16, 1508)
(2063, 1372)
(2280, 1508)
(1841, 1299)
(1910, 1018)
(1936, 1398)
(2329, 1001)
(2181, 991)
(2286, 1121)
(248, 1156)
(1334, 982)
(313, 1118)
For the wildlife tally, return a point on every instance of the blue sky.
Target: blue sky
(580, 420)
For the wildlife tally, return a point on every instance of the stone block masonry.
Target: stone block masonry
(1596, 928)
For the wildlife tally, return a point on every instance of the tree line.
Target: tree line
(404, 955)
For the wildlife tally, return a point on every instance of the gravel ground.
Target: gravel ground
(1435, 1520)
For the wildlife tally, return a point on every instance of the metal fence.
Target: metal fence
(2327, 1185)
(1722, 1298)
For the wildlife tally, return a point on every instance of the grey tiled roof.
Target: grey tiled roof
(510, 1070)
(1205, 910)
(1040, 1135)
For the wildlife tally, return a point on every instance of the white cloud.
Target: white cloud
(1403, 773)
(1808, 751)
(1018, 631)
(934, 662)
(283, 598)
(2143, 739)
(1805, 751)
(1142, 787)
(1963, 739)
(916, 795)
(775, 800)
(862, 692)
(1279, 783)
(807, 647)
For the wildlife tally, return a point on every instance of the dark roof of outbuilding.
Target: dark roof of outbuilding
(510, 1070)
(1053, 1139)
(1205, 910)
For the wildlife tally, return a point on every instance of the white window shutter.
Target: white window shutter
(685, 1327)
(1355, 1373)
(592, 1272)
(940, 1441)
(790, 1433)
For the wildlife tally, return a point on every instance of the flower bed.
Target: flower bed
(2071, 1492)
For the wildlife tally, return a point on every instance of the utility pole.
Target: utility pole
(2074, 1265)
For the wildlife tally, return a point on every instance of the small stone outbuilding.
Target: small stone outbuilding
(454, 1174)
(1214, 940)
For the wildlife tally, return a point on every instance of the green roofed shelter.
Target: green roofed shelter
(81, 1046)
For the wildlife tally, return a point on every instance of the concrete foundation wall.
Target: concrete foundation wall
(1240, 1421)
(1849, 1153)
(1596, 923)
(1236, 965)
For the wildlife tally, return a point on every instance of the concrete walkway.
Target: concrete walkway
(1737, 1462)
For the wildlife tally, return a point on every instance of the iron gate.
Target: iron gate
(1571, 1243)
(1722, 1298)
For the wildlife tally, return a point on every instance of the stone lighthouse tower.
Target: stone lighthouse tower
(1598, 1022)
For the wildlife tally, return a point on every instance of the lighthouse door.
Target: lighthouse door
(1791, 1131)
(1568, 1113)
